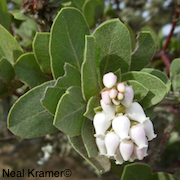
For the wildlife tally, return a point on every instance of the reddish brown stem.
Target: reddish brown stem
(164, 58)
(176, 15)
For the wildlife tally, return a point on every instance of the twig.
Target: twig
(164, 58)
(7, 138)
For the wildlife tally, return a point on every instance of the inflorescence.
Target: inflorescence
(122, 130)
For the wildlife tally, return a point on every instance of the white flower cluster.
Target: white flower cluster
(122, 130)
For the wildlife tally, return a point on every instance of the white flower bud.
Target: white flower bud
(121, 126)
(120, 96)
(101, 146)
(113, 93)
(128, 96)
(111, 143)
(140, 153)
(121, 87)
(133, 156)
(135, 112)
(118, 157)
(109, 80)
(105, 97)
(116, 102)
(126, 148)
(101, 124)
(138, 135)
(108, 109)
(149, 130)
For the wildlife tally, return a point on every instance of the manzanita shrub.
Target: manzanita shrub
(77, 99)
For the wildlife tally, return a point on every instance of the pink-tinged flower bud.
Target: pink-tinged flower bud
(138, 135)
(126, 148)
(105, 97)
(116, 102)
(149, 130)
(109, 80)
(111, 143)
(113, 93)
(108, 109)
(128, 96)
(118, 158)
(121, 126)
(120, 96)
(135, 112)
(121, 87)
(101, 124)
(101, 146)
(140, 153)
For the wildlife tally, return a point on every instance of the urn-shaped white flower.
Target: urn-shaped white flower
(121, 126)
(135, 112)
(138, 135)
(128, 96)
(105, 97)
(149, 130)
(101, 124)
(140, 153)
(101, 146)
(111, 143)
(109, 80)
(118, 157)
(108, 109)
(126, 148)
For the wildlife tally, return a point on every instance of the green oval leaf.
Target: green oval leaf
(9, 47)
(143, 52)
(89, 76)
(175, 67)
(28, 118)
(87, 134)
(157, 89)
(137, 171)
(113, 46)
(28, 70)
(41, 51)
(93, 102)
(67, 40)
(160, 75)
(140, 91)
(93, 10)
(53, 93)
(69, 113)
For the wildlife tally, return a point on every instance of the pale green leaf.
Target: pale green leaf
(89, 76)
(28, 70)
(91, 105)
(88, 138)
(113, 47)
(160, 75)
(53, 93)
(41, 51)
(28, 118)
(157, 89)
(69, 113)
(93, 10)
(143, 52)
(67, 40)
(9, 47)
(140, 91)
